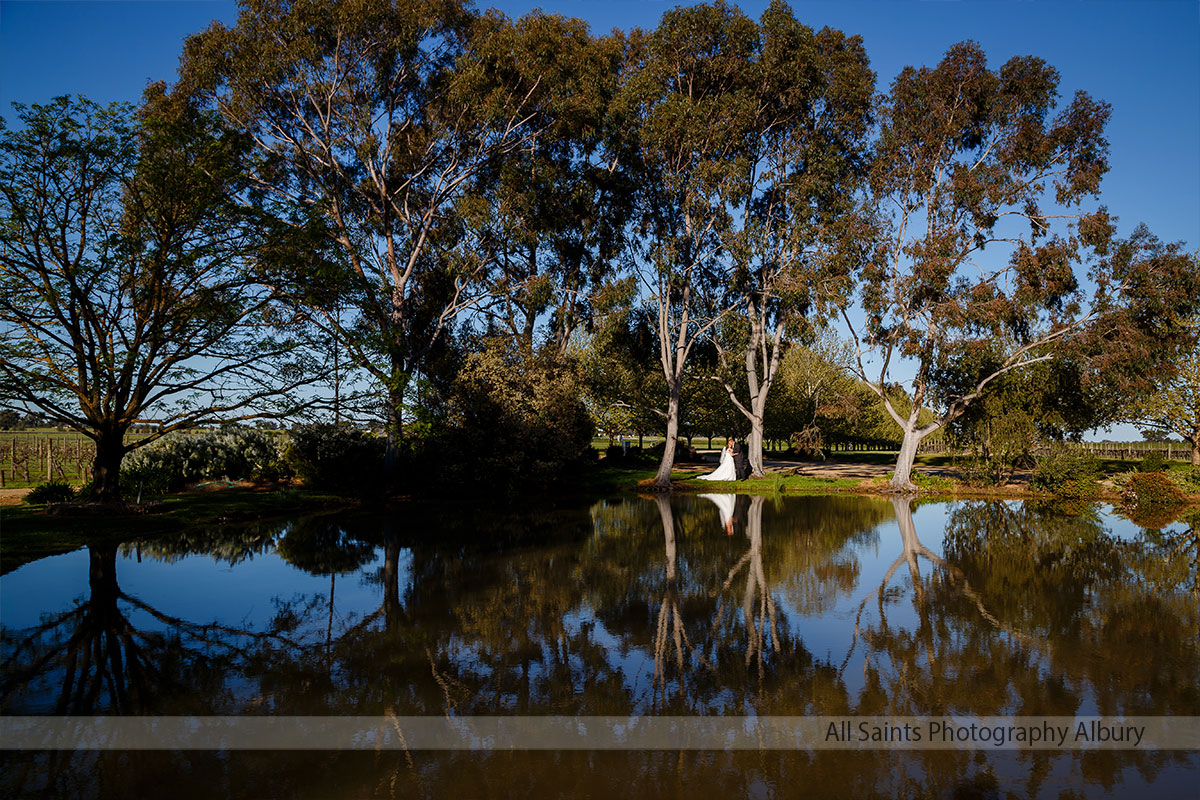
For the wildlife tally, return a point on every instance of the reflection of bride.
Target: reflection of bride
(725, 506)
(726, 470)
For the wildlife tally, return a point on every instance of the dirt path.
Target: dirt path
(12, 497)
(837, 469)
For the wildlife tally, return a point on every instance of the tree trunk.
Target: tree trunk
(668, 523)
(902, 478)
(754, 446)
(395, 419)
(102, 574)
(106, 469)
(395, 423)
(662, 479)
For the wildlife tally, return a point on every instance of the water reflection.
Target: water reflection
(785, 606)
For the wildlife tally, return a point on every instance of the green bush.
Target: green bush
(979, 471)
(1066, 472)
(682, 452)
(634, 456)
(336, 457)
(55, 491)
(1146, 490)
(232, 453)
(1154, 462)
(513, 416)
(1189, 479)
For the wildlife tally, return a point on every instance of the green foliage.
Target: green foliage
(1147, 490)
(926, 483)
(336, 457)
(233, 453)
(1066, 472)
(1172, 403)
(514, 416)
(55, 491)
(155, 264)
(1020, 412)
(1154, 462)
(1190, 479)
(617, 456)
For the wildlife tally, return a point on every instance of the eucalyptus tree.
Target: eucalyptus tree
(620, 369)
(125, 295)
(370, 121)
(807, 145)
(688, 98)
(551, 215)
(817, 394)
(1173, 405)
(969, 157)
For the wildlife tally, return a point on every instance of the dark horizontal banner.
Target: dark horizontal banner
(599, 733)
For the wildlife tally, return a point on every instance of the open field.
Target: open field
(32, 457)
(28, 458)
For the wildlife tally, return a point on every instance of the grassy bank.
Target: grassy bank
(29, 532)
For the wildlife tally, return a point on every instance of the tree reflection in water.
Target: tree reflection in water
(645, 606)
(93, 659)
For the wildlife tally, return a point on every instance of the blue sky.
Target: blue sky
(1142, 56)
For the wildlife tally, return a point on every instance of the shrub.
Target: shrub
(682, 452)
(978, 471)
(1147, 490)
(634, 456)
(336, 457)
(514, 416)
(1188, 479)
(55, 491)
(232, 453)
(1067, 473)
(1153, 462)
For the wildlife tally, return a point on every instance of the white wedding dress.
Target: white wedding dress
(725, 471)
(725, 506)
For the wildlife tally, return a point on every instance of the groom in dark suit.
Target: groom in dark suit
(740, 465)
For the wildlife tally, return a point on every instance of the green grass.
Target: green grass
(926, 483)
(775, 483)
(602, 480)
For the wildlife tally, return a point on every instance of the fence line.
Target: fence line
(1121, 451)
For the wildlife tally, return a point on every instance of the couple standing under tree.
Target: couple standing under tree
(733, 466)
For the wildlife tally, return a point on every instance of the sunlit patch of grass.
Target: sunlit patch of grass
(774, 483)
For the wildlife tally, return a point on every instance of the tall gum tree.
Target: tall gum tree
(370, 120)
(552, 214)
(687, 97)
(806, 157)
(970, 158)
(1173, 404)
(124, 288)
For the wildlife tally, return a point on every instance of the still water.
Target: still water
(700, 605)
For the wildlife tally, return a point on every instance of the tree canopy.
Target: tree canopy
(970, 157)
(124, 292)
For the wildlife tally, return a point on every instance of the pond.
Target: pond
(714, 606)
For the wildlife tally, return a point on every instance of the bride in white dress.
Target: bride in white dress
(726, 470)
